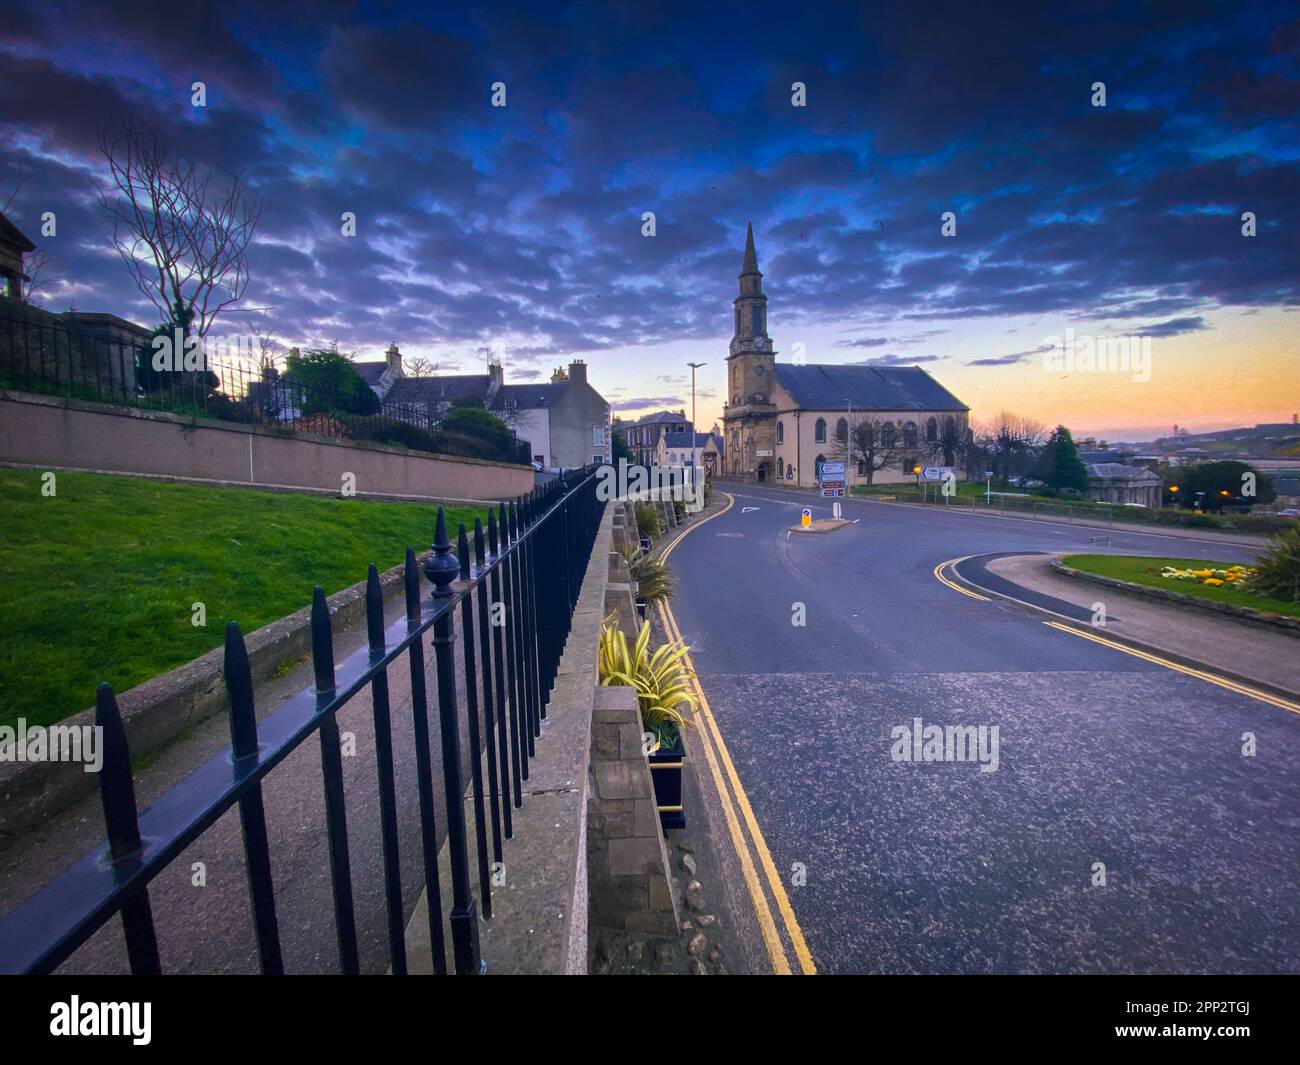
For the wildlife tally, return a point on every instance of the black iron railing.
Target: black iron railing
(516, 598)
(40, 352)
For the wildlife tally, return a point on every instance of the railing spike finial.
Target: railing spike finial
(411, 581)
(479, 557)
(503, 525)
(239, 686)
(492, 533)
(442, 566)
(117, 790)
(322, 643)
(462, 552)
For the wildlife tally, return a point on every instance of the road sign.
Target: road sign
(935, 473)
(832, 471)
(806, 519)
(832, 490)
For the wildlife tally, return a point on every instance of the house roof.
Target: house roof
(438, 389)
(528, 397)
(659, 416)
(14, 235)
(832, 387)
(1117, 471)
(371, 372)
(684, 439)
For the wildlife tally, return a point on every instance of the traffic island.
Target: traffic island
(821, 525)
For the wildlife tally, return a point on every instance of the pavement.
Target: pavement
(1248, 652)
(1124, 829)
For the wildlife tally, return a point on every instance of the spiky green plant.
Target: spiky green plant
(659, 677)
(654, 579)
(1277, 570)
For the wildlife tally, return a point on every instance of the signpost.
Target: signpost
(806, 519)
(831, 480)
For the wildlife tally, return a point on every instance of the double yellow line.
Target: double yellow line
(732, 795)
(938, 572)
(1146, 656)
(1211, 678)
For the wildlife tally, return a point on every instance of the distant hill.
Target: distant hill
(1272, 440)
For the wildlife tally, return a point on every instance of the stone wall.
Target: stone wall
(45, 431)
(627, 865)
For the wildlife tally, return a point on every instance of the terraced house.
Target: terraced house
(782, 421)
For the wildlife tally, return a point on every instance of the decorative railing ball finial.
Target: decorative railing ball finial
(442, 567)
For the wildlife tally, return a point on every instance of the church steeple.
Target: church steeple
(750, 265)
(750, 304)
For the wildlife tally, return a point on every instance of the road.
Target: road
(1105, 760)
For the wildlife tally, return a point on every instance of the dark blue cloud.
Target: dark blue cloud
(476, 222)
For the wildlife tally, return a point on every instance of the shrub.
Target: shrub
(659, 678)
(654, 580)
(1277, 571)
(647, 520)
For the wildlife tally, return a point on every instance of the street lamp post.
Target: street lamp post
(695, 458)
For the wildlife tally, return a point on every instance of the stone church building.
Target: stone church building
(781, 421)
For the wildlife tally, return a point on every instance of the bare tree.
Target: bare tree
(420, 367)
(36, 265)
(877, 444)
(270, 352)
(183, 237)
(1011, 441)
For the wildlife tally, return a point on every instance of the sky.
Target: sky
(519, 228)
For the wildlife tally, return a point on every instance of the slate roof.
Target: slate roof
(683, 440)
(528, 397)
(651, 419)
(438, 389)
(371, 372)
(11, 233)
(831, 387)
(1117, 471)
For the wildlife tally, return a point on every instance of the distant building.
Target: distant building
(13, 246)
(783, 421)
(642, 436)
(1114, 482)
(681, 449)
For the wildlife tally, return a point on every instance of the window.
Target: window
(862, 468)
(909, 434)
(780, 434)
(932, 430)
(758, 321)
(780, 472)
(819, 431)
(842, 430)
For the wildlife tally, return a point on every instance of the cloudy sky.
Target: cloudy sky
(520, 227)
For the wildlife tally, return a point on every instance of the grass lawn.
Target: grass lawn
(1147, 571)
(97, 582)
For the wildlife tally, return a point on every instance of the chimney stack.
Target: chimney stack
(578, 372)
(394, 359)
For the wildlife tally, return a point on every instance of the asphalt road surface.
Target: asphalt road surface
(1103, 759)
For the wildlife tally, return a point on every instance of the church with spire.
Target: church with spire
(781, 421)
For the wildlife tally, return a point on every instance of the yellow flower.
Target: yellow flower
(1202, 573)
(1213, 580)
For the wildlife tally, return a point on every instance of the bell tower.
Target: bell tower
(749, 365)
(749, 417)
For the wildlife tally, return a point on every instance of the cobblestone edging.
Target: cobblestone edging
(1291, 626)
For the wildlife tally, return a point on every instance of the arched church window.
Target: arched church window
(909, 434)
(888, 436)
(842, 430)
(932, 430)
(819, 431)
(758, 321)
